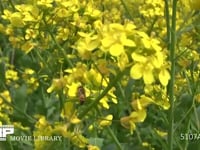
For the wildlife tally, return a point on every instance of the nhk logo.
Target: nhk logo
(5, 130)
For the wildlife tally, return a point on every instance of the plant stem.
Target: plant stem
(167, 18)
(127, 10)
(58, 45)
(12, 4)
(61, 49)
(110, 132)
(1, 8)
(172, 73)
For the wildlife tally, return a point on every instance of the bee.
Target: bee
(81, 94)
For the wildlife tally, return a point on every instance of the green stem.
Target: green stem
(105, 91)
(150, 29)
(110, 132)
(172, 73)
(61, 49)
(12, 4)
(44, 62)
(62, 103)
(126, 8)
(10, 144)
(1, 7)
(138, 136)
(167, 18)
(58, 45)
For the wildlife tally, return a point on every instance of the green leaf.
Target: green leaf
(20, 97)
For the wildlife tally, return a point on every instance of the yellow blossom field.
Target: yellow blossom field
(99, 74)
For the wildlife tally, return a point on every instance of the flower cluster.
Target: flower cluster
(75, 68)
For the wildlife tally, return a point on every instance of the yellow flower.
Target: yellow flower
(138, 116)
(62, 12)
(128, 124)
(157, 59)
(123, 61)
(79, 140)
(57, 84)
(11, 75)
(6, 14)
(68, 110)
(87, 42)
(104, 102)
(62, 34)
(94, 78)
(92, 11)
(72, 92)
(161, 133)
(144, 70)
(6, 95)
(135, 117)
(93, 147)
(112, 96)
(72, 6)
(161, 98)
(102, 65)
(148, 42)
(46, 3)
(27, 46)
(116, 49)
(145, 66)
(31, 34)
(164, 76)
(42, 122)
(91, 127)
(115, 39)
(61, 129)
(75, 120)
(29, 71)
(146, 144)
(16, 19)
(31, 13)
(141, 103)
(69, 113)
(20, 126)
(106, 121)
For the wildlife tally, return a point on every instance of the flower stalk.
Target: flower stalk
(172, 48)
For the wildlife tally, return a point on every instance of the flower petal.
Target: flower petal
(136, 71)
(116, 49)
(164, 77)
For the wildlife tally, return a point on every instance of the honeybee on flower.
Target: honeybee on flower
(81, 94)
